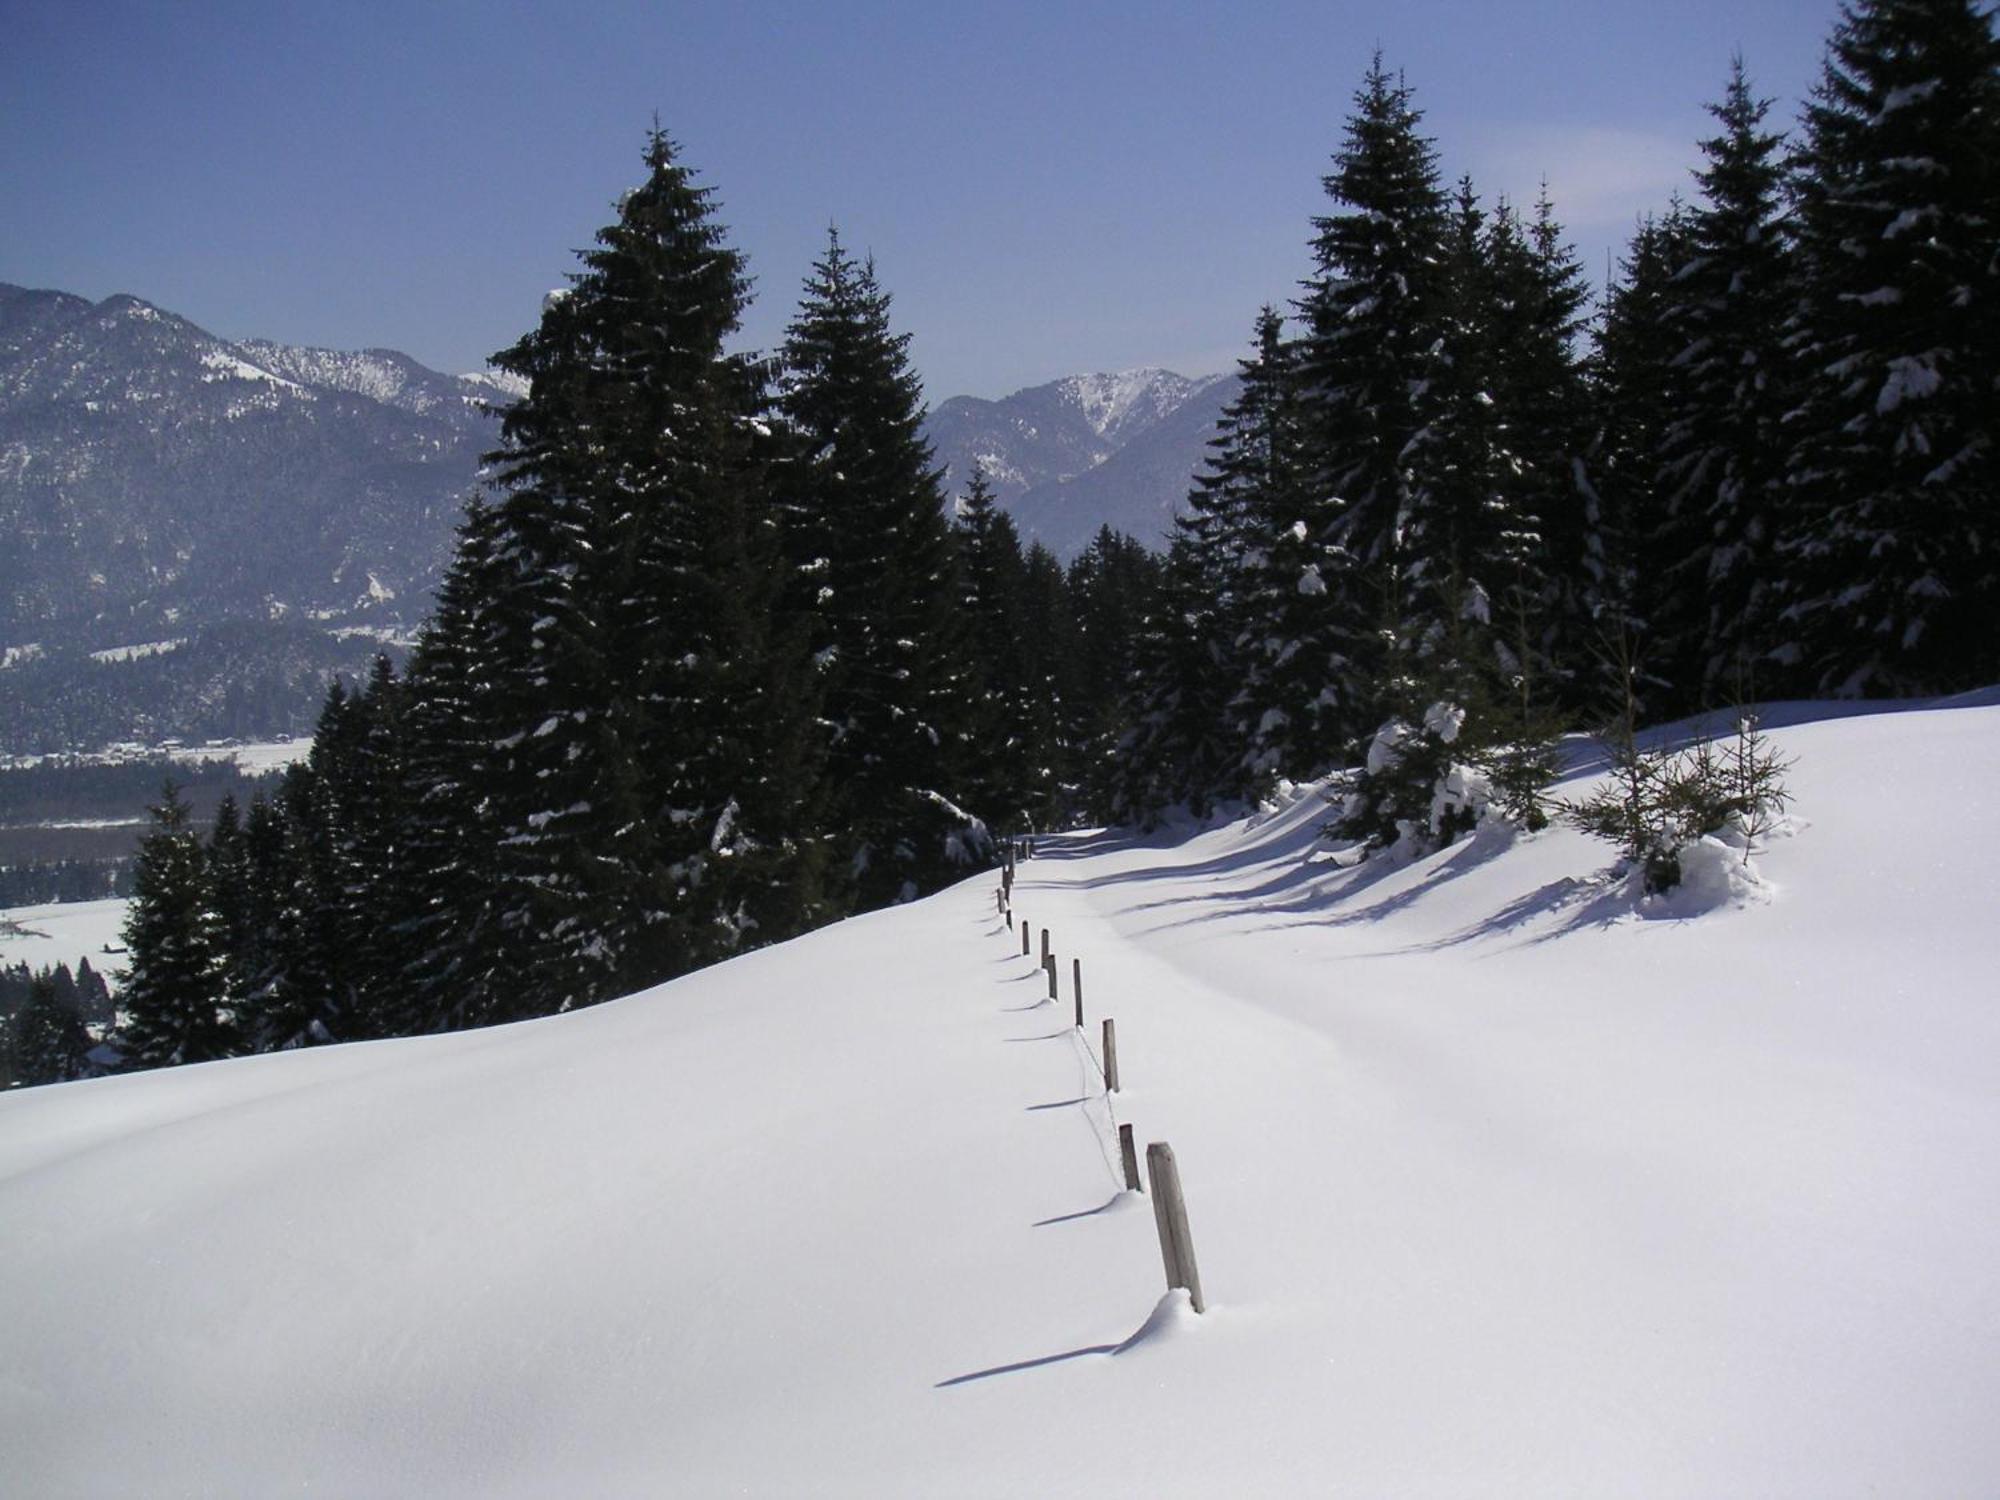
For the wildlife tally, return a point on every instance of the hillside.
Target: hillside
(1500, 1183)
(202, 534)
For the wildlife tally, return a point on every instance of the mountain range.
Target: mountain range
(200, 532)
(1084, 452)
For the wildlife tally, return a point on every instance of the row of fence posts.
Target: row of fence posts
(1169, 1205)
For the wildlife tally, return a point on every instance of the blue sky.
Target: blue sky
(1047, 187)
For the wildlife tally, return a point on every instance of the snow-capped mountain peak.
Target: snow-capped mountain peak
(1128, 399)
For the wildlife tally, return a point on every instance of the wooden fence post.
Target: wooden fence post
(1170, 1218)
(1049, 968)
(1110, 1056)
(1076, 984)
(1128, 1154)
(1045, 945)
(1024, 939)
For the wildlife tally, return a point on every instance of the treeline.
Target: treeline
(292, 923)
(710, 666)
(59, 787)
(1440, 522)
(43, 1016)
(40, 882)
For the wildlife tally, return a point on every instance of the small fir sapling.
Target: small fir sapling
(1658, 802)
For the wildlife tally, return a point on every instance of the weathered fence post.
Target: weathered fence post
(1045, 945)
(1049, 968)
(1128, 1154)
(1024, 938)
(1170, 1218)
(1076, 984)
(1110, 1055)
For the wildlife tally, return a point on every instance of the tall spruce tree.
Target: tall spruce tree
(1263, 659)
(1544, 398)
(1371, 316)
(1044, 625)
(990, 574)
(1636, 388)
(1720, 454)
(641, 709)
(1890, 552)
(872, 555)
(1114, 587)
(453, 950)
(174, 994)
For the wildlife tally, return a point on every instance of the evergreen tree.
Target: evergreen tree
(1889, 551)
(1371, 315)
(454, 958)
(638, 702)
(1720, 453)
(93, 995)
(991, 579)
(1114, 589)
(1636, 388)
(1543, 395)
(374, 821)
(47, 1037)
(1248, 578)
(279, 975)
(174, 980)
(873, 559)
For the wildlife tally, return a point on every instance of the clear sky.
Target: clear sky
(1047, 187)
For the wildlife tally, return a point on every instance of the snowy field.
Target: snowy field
(62, 933)
(252, 757)
(1499, 1184)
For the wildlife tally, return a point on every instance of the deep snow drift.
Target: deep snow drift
(1499, 1186)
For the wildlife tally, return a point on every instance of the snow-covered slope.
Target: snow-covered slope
(1499, 1186)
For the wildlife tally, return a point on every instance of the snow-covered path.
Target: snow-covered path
(1497, 1187)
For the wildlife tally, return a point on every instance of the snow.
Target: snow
(1107, 401)
(505, 383)
(222, 365)
(1500, 1181)
(61, 933)
(138, 652)
(252, 758)
(1909, 378)
(1903, 98)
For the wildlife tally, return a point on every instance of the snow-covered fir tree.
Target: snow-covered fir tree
(990, 578)
(642, 737)
(173, 992)
(1635, 389)
(1720, 456)
(1370, 316)
(449, 938)
(1890, 553)
(873, 565)
(1247, 587)
(46, 1041)
(1114, 587)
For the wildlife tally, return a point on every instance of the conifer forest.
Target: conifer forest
(717, 660)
